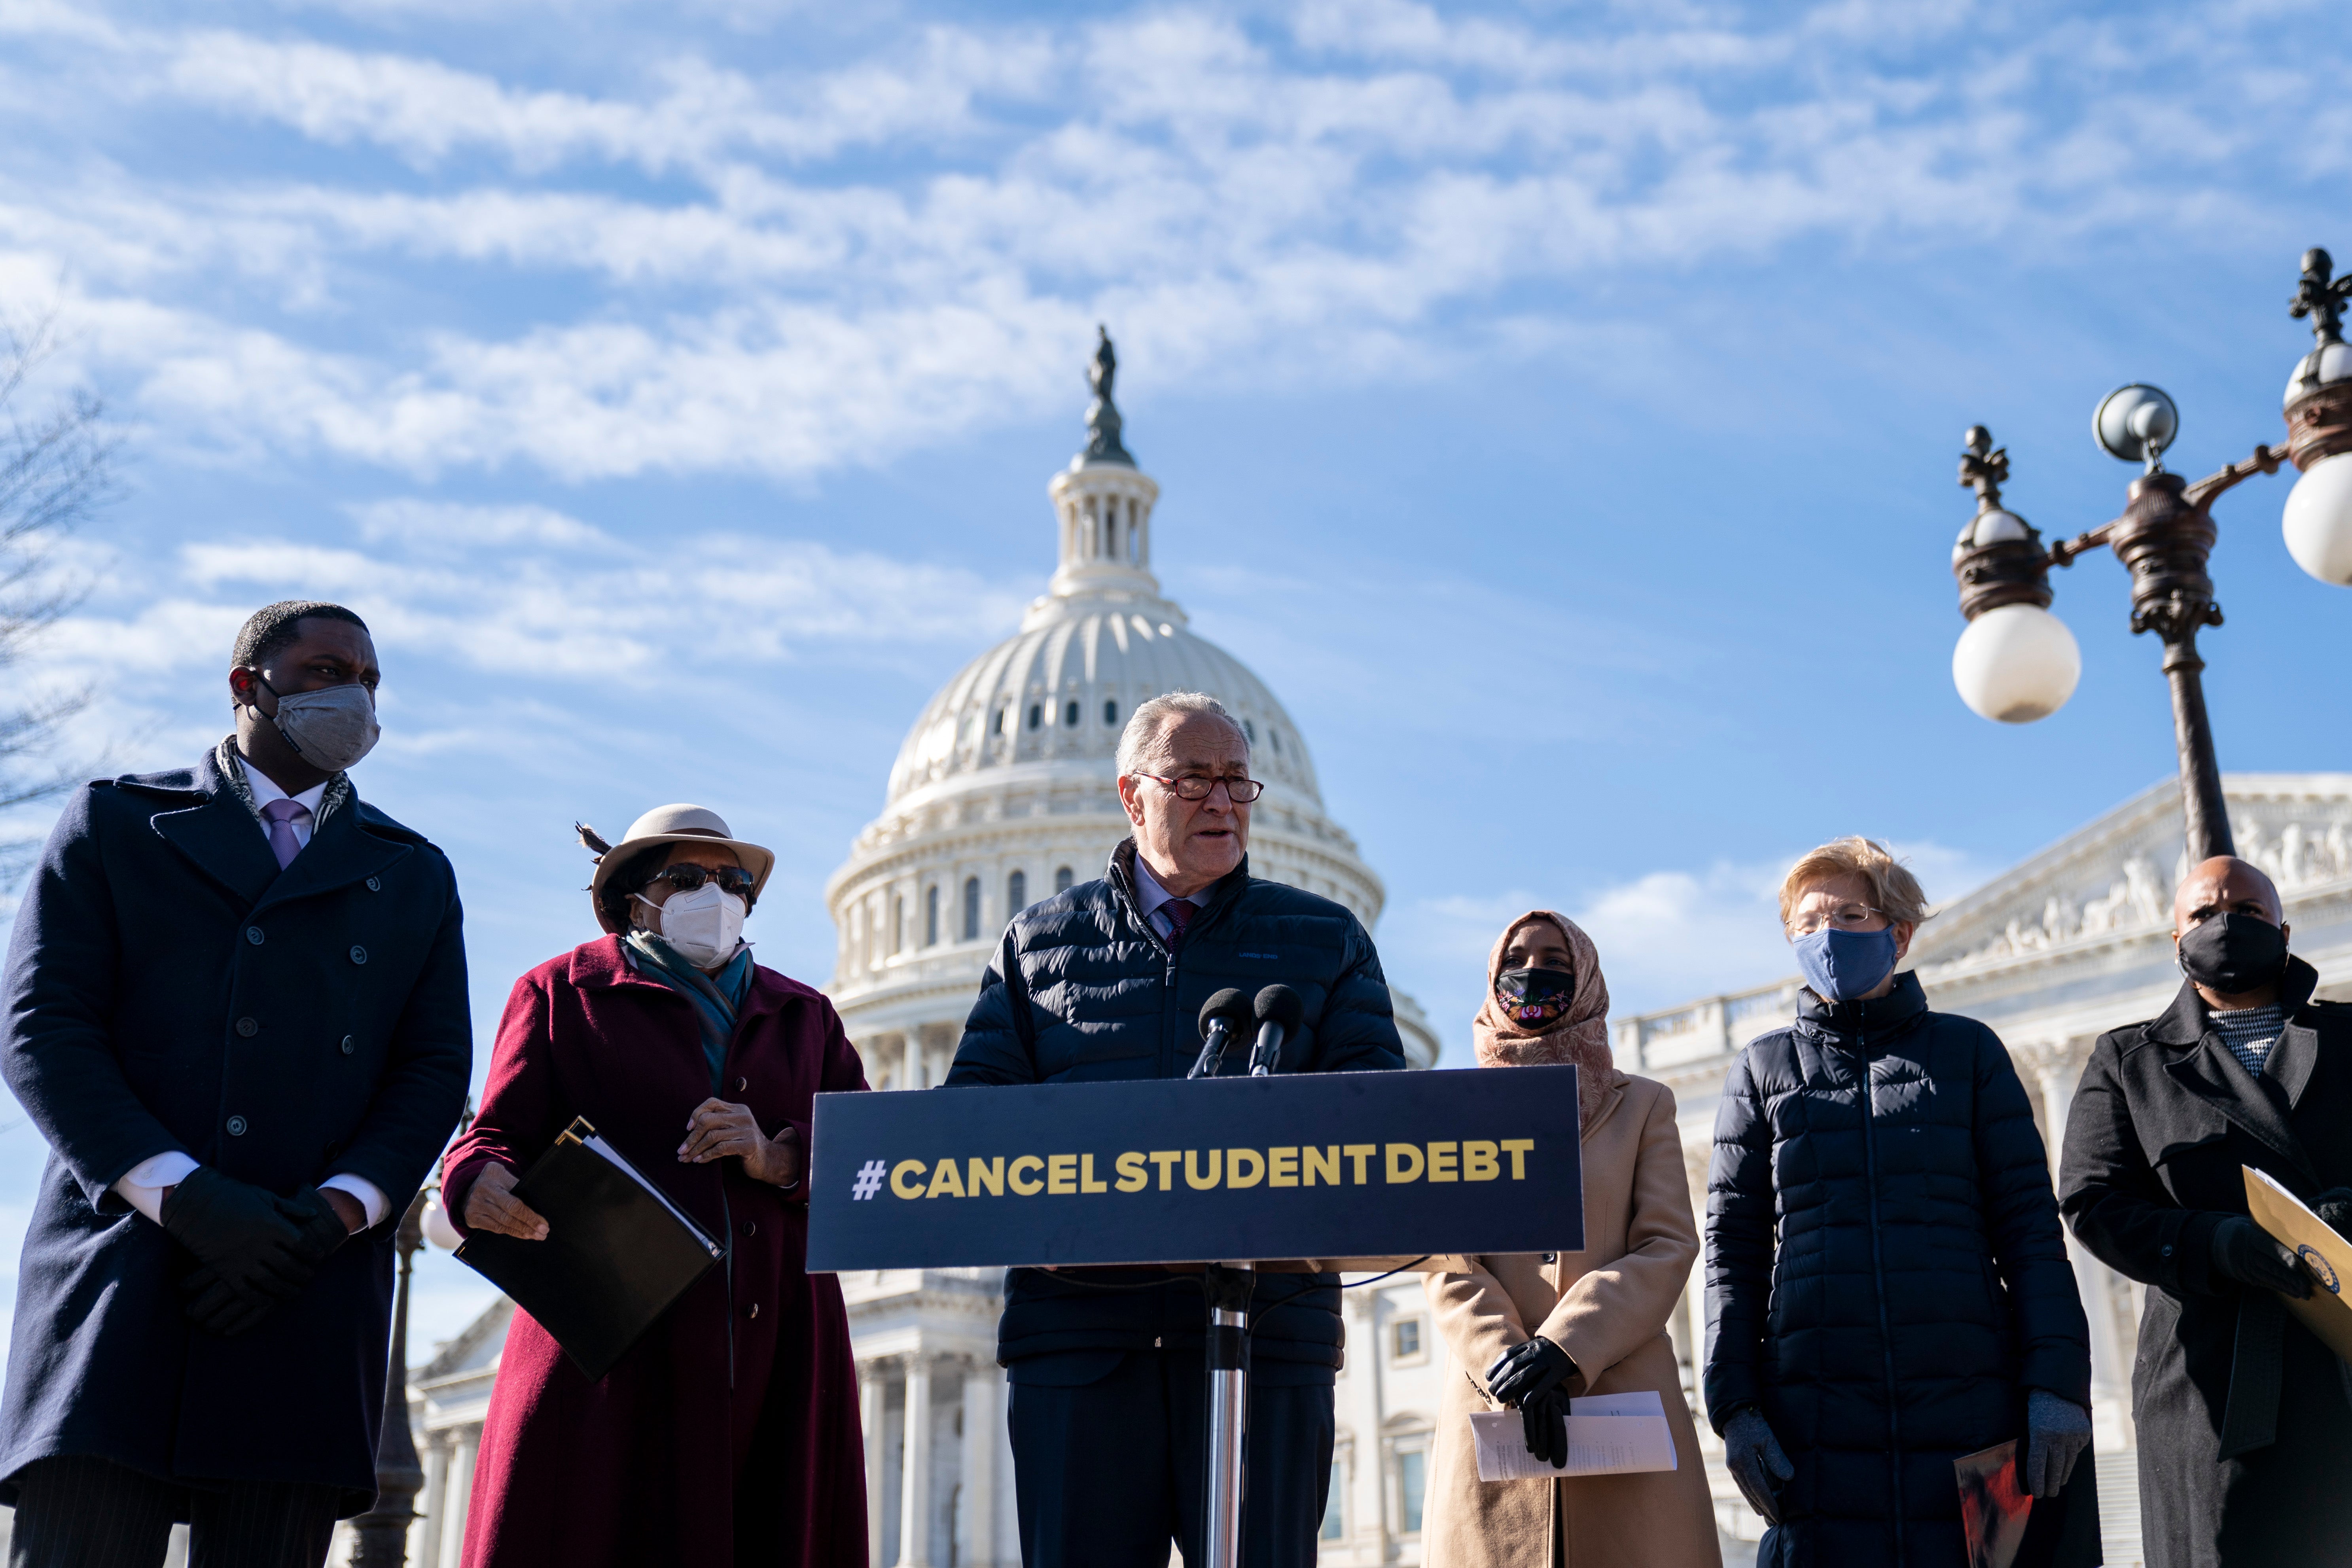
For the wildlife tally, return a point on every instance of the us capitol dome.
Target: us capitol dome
(1005, 790)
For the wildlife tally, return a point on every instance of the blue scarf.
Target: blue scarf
(716, 998)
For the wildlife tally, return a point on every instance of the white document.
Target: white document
(1608, 1435)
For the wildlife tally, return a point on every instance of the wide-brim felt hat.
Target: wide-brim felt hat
(680, 823)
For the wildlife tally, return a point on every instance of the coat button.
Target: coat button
(349, 1044)
(2167, 1250)
(375, 885)
(751, 1227)
(253, 935)
(752, 1310)
(742, 1084)
(247, 1027)
(1551, 1257)
(237, 1126)
(358, 953)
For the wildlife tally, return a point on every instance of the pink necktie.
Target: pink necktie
(1180, 913)
(282, 814)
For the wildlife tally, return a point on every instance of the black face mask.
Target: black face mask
(1534, 998)
(2233, 953)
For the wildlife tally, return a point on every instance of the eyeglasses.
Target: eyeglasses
(1844, 917)
(684, 879)
(1193, 787)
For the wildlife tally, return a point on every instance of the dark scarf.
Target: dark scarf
(716, 998)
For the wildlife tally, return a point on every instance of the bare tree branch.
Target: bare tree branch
(57, 470)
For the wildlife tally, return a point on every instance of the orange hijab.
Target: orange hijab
(1581, 1038)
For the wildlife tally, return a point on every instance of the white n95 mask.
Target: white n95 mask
(705, 926)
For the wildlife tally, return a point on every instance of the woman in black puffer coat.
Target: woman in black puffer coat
(1887, 1286)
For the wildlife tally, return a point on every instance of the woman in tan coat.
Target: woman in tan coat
(1602, 1310)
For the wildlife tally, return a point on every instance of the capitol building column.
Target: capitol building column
(2055, 1066)
(915, 1468)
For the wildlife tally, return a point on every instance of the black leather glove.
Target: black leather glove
(322, 1229)
(252, 1253)
(1524, 1371)
(2247, 1253)
(1545, 1417)
(2334, 1206)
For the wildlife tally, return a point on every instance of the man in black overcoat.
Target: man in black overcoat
(234, 1003)
(1105, 983)
(2244, 1417)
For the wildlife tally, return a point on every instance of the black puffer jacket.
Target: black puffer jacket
(1083, 991)
(1886, 1274)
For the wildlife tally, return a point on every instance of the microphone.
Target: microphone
(1218, 1017)
(1278, 1011)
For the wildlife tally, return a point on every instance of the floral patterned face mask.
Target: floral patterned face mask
(1535, 999)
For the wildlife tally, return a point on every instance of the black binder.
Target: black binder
(617, 1252)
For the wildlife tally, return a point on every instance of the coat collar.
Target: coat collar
(601, 965)
(210, 825)
(1845, 1024)
(2207, 1069)
(1120, 875)
(206, 819)
(1608, 1104)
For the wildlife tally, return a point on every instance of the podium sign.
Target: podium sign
(1175, 1171)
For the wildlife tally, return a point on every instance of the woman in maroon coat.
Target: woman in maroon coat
(730, 1433)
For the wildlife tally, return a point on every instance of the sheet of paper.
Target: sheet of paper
(1641, 1402)
(2326, 1258)
(1597, 1445)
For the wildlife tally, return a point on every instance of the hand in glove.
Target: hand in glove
(2247, 1253)
(1544, 1416)
(1524, 1371)
(1753, 1456)
(2057, 1430)
(253, 1254)
(2334, 1206)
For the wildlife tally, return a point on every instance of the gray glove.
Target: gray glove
(2057, 1430)
(1754, 1458)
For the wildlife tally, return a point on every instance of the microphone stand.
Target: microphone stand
(1212, 1049)
(1227, 1287)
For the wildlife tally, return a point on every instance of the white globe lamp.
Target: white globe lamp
(437, 1228)
(2016, 663)
(2319, 521)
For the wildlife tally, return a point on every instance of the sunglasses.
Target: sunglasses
(686, 878)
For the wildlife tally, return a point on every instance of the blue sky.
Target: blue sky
(1557, 404)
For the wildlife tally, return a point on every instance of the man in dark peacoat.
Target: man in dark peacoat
(2244, 1417)
(288, 1045)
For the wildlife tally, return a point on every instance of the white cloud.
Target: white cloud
(788, 273)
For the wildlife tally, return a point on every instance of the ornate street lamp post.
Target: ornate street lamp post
(380, 1536)
(2017, 662)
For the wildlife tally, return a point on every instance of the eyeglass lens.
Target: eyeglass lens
(1240, 790)
(687, 877)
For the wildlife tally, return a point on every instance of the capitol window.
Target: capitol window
(1036, 715)
(1016, 891)
(931, 916)
(1110, 712)
(1405, 1340)
(1070, 714)
(1063, 877)
(898, 924)
(971, 909)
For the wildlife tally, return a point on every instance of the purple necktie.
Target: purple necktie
(282, 815)
(1180, 913)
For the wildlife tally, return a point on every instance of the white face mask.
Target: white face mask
(706, 925)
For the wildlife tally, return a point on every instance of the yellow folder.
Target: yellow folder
(2326, 1258)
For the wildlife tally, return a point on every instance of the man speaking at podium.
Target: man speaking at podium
(1105, 983)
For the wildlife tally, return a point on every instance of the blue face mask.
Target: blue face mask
(1840, 965)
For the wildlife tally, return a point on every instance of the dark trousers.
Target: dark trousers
(1108, 1471)
(79, 1512)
